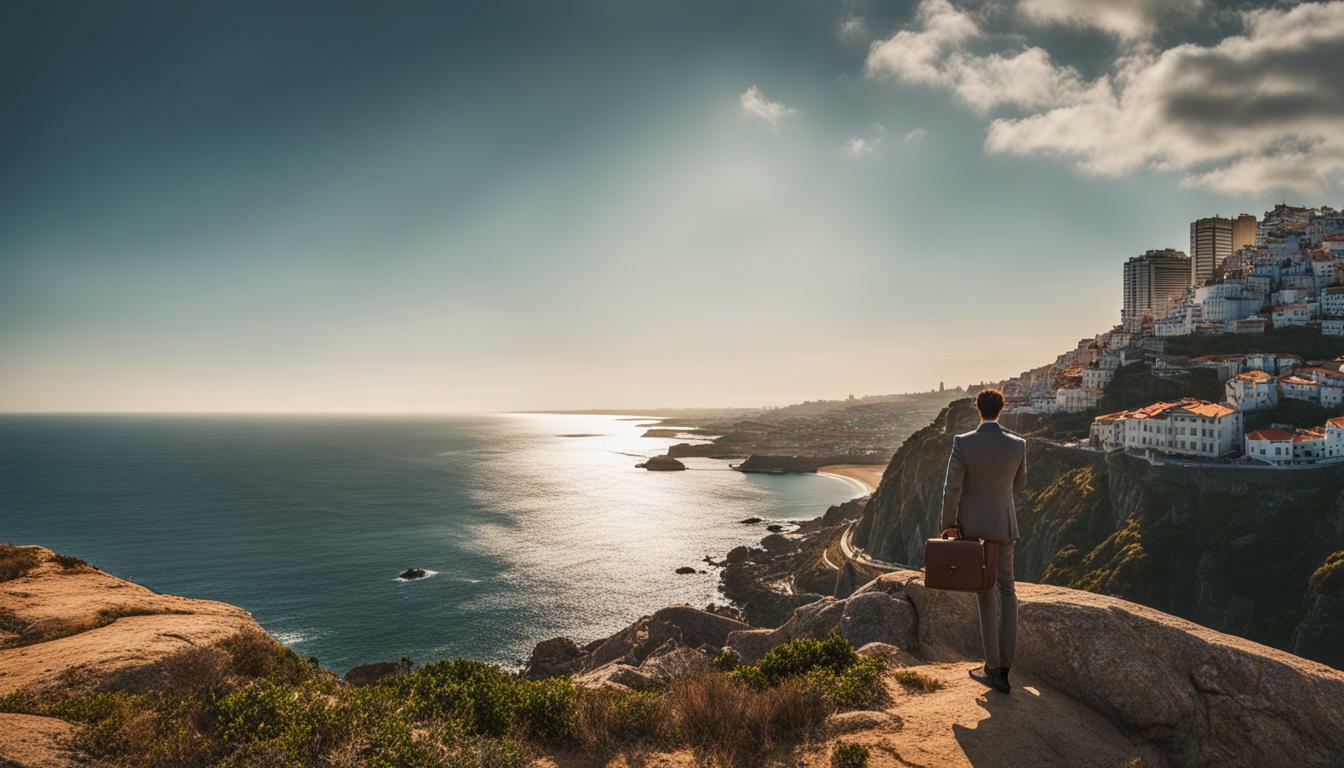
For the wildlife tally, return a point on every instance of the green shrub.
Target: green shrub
(831, 666)
(489, 701)
(1329, 578)
(849, 755)
(727, 660)
(300, 722)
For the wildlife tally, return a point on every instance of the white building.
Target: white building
(1074, 400)
(1097, 378)
(1252, 391)
(1297, 388)
(1332, 301)
(1332, 327)
(1187, 427)
(1271, 446)
(1334, 439)
(1291, 314)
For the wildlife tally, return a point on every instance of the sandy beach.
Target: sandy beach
(867, 474)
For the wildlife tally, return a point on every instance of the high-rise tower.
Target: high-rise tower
(1153, 283)
(1210, 243)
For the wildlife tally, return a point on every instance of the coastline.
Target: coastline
(866, 476)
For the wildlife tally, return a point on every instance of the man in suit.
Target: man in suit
(985, 468)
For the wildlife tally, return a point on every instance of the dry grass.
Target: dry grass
(16, 562)
(69, 562)
(916, 682)
(608, 720)
(730, 723)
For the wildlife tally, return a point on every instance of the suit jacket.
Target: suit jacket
(985, 467)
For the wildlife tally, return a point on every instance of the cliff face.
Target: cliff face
(1229, 548)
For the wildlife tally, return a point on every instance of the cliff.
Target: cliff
(1232, 548)
(66, 625)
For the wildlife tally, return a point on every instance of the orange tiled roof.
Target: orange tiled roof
(1211, 410)
(1297, 380)
(1254, 375)
(1270, 434)
(1338, 421)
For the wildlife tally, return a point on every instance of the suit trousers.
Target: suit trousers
(998, 611)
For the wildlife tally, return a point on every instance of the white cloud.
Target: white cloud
(1264, 110)
(1125, 19)
(858, 146)
(755, 104)
(1257, 111)
(853, 29)
(914, 137)
(937, 52)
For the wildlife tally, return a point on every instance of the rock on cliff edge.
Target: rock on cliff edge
(77, 628)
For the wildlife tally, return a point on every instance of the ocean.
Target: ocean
(533, 525)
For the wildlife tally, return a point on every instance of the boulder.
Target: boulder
(555, 657)
(750, 521)
(878, 617)
(411, 574)
(737, 555)
(368, 674)
(897, 657)
(778, 544)
(676, 662)
(774, 528)
(685, 570)
(614, 675)
(674, 626)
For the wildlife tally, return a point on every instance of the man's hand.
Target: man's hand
(952, 533)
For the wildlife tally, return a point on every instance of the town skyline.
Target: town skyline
(435, 209)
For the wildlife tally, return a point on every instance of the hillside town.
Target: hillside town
(1264, 289)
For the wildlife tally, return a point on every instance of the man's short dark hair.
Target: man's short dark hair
(990, 403)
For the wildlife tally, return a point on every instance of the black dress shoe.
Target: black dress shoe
(1001, 680)
(986, 676)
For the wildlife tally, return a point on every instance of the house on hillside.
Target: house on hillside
(1252, 391)
(1187, 427)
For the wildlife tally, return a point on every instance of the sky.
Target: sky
(330, 206)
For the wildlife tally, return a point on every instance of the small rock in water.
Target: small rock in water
(750, 521)
(413, 573)
(776, 528)
(685, 569)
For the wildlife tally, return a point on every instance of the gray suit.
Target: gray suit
(985, 468)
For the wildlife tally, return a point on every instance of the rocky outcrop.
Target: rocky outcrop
(368, 674)
(1203, 697)
(81, 629)
(657, 646)
(1228, 547)
(662, 464)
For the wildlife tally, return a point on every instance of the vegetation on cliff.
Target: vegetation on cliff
(1329, 578)
(1307, 343)
(251, 702)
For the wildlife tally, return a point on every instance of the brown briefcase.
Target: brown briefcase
(960, 565)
